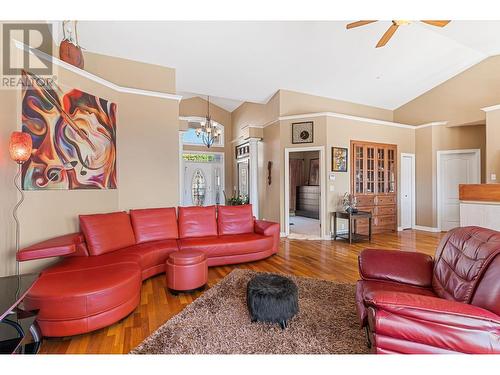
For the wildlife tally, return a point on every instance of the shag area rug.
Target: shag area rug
(218, 322)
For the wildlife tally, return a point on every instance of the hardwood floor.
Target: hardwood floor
(330, 260)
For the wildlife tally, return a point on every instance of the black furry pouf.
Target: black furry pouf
(272, 298)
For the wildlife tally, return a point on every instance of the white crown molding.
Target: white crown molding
(347, 117)
(94, 78)
(436, 123)
(491, 108)
(350, 117)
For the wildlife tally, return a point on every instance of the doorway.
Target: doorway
(454, 167)
(304, 195)
(407, 197)
(203, 178)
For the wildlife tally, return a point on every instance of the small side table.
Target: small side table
(352, 234)
(14, 321)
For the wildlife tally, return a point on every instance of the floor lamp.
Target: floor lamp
(20, 147)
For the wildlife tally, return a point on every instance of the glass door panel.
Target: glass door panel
(198, 188)
(370, 169)
(381, 170)
(359, 171)
(391, 170)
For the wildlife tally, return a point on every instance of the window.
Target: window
(190, 138)
(202, 158)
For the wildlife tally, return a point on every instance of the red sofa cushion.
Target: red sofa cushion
(154, 224)
(197, 222)
(150, 254)
(235, 219)
(228, 245)
(107, 232)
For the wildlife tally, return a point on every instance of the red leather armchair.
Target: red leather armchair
(411, 303)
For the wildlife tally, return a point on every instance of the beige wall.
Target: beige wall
(458, 100)
(296, 103)
(319, 139)
(330, 132)
(130, 73)
(147, 168)
(340, 132)
(254, 114)
(269, 195)
(425, 178)
(198, 107)
(493, 145)
(430, 140)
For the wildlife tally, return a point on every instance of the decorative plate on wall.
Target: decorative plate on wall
(302, 132)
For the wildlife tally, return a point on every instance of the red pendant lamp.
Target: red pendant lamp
(20, 147)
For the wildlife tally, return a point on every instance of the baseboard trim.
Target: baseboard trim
(426, 229)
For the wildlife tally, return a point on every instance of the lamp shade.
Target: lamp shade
(20, 146)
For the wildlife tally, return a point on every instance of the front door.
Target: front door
(455, 169)
(203, 180)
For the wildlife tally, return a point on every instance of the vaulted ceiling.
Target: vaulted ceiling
(249, 61)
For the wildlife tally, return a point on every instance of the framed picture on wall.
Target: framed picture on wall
(339, 159)
(302, 132)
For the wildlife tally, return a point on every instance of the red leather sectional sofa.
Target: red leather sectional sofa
(98, 280)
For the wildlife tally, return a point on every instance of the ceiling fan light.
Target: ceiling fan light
(401, 22)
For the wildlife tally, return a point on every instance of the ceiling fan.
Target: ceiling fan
(392, 29)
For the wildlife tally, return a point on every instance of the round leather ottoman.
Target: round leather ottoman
(186, 271)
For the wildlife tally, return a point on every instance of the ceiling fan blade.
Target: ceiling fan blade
(388, 35)
(436, 23)
(358, 23)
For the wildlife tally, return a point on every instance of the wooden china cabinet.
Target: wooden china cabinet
(373, 183)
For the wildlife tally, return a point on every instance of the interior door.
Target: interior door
(455, 169)
(406, 192)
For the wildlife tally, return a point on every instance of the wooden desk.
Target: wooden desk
(352, 234)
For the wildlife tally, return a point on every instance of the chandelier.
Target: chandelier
(208, 132)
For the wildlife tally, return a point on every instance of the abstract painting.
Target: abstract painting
(74, 138)
(339, 159)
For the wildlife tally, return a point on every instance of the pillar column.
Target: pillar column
(254, 175)
(181, 171)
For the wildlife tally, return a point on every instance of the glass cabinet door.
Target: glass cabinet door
(359, 169)
(370, 169)
(391, 170)
(381, 169)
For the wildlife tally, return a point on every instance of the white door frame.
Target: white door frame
(322, 184)
(413, 189)
(182, 163)
(439, 198)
